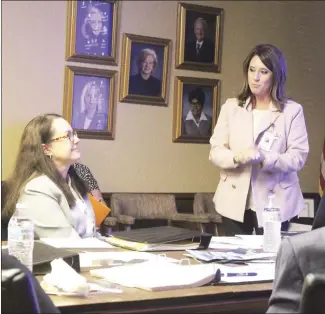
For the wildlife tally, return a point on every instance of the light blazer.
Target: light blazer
(234, 132)
(45, 204)
(297, 257)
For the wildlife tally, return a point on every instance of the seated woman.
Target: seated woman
(45, 182)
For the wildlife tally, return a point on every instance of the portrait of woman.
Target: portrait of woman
(94, 28)
(90, 99)
(196, 107)
(197, 110)
(146, 70)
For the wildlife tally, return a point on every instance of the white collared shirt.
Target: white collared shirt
(191, 117)
(200, 43)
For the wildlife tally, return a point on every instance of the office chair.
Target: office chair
(203, 205)
(128, 207)
(20, 290)
(17, 292)
(313, 294)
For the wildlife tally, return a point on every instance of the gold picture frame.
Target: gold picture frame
(89, 101)
(204, 94)
(199, 37)
(144, 70)
(92, 31)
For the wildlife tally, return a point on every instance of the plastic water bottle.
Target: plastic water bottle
(271, 226)
(21, 237)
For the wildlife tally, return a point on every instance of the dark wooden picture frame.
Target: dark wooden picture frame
(144, 70)
(195, 97)
(199, 37)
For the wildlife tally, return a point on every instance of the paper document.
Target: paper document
(90, 260)
(235, 255)
(239, 241)
(158, 275)
(85, 243)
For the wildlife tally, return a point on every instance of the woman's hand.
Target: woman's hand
(249, 156)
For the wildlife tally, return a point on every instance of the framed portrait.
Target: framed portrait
(196, 108)
(199, 36)
(88, 103)
(144, 70)
(306, 216)
(92, 31)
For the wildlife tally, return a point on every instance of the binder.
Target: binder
(101, 211)
(44, 254)
(164, 238)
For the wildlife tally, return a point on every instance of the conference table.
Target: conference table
(223, 298)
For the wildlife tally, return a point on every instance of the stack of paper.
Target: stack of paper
(235, 255)
(158, 275)
(238, 241)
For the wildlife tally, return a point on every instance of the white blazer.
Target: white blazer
(234, 132)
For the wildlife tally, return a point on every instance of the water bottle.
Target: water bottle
(21, 237)
(271, 226)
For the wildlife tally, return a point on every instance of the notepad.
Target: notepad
(101, 211)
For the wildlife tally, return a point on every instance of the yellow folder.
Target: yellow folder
(101, 211)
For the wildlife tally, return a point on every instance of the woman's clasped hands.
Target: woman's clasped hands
(249, 156)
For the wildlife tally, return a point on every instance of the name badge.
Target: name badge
(267, 141)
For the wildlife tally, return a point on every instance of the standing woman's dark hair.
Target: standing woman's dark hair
(31, 162)
(274, 60)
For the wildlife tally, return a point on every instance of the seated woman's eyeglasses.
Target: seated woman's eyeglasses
(69, 135)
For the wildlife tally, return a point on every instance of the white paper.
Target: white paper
(158, 275)
(97, 259)
(63, 278)
(239, 241)
(85, 243)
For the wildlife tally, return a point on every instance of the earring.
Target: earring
(50, 155)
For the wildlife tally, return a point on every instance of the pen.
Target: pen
(238, 274)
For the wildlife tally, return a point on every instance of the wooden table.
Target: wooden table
(248, 298)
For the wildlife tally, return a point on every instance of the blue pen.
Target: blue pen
(238, 274)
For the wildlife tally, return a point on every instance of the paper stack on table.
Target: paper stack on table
(240, 255)
(158, 275)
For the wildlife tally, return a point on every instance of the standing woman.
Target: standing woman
(259, 143)
(45, 182)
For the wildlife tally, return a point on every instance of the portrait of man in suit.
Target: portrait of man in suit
(90, 113)
(199, 48)
(197, 121)
(146, 73)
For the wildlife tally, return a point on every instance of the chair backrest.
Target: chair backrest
(21, 292)
(203, 204)
(143, 206)
(313, 294)
(17, 292)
